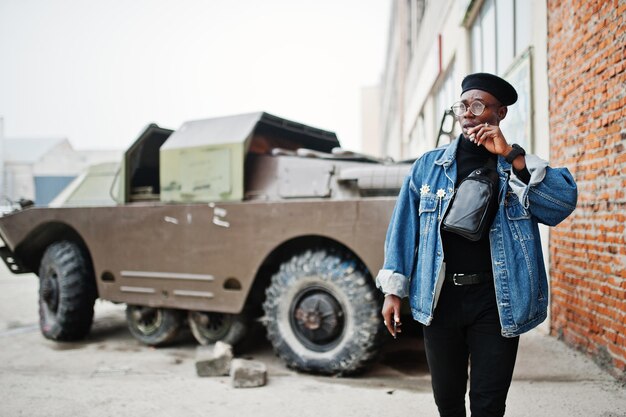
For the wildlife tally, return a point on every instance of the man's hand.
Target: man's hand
(391, 314)
(491, 137)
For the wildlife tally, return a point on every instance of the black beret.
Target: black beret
(494, 85)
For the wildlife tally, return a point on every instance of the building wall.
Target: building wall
(48, 187)
(587, 78)
(370, 120)
(18, 181)
(2, 182)
(59, 160)
(392, 85)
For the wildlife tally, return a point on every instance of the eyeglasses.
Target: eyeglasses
(476, 107)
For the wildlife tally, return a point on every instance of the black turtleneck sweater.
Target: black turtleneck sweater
(463, 255)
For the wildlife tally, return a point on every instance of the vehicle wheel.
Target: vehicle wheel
(153, 326)
(67, 292)
(209, 327)
(322, 313)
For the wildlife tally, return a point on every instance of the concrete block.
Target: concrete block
(214, 360)
(247, 373)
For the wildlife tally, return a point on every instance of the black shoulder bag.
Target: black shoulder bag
(474, 204)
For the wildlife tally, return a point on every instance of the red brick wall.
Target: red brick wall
(587, 78)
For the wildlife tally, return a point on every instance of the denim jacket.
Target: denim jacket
(414, 264)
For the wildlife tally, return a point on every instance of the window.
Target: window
(477, 49)
(411, 27)
(501, 36)
(523, 26)
(502, 30)
(414, 14)
(417, 138)
(445, 95)
(506, 38)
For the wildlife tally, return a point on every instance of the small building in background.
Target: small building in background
(38, 169)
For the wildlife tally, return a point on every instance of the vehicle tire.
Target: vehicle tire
(210, 327)
(153, 326)
(322, 313)
(67, 292)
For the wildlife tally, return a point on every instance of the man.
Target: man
(474, 298)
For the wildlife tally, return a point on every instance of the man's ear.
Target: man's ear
(502, 111)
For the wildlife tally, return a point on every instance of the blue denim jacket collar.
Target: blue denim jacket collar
(449, 154)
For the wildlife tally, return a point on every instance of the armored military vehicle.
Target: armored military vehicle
(219, 224)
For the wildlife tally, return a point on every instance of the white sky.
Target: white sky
(97, 72)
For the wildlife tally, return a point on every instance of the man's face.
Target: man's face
(492, 114)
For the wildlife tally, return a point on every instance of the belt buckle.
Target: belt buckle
(454, 276)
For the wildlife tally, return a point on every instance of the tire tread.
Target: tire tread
(77, 292)
(351, 276)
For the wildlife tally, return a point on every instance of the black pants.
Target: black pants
(466, 328)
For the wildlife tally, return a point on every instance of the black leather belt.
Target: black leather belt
(469, 279)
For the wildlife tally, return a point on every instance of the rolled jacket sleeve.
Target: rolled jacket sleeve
(551, 193)
(390, 282)
(537, 169)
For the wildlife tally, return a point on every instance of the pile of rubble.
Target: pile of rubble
(218, 360)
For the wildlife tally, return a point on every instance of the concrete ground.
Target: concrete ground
(112, 374)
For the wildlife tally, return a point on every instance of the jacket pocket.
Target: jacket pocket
(428, 204)
(427, 213)
(514, 208)
(519, 218)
